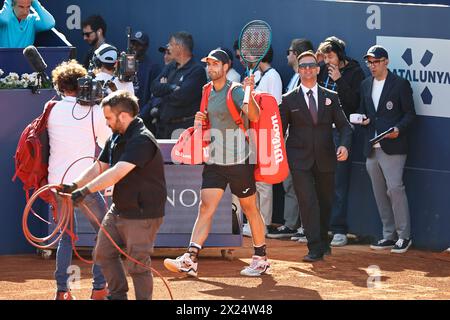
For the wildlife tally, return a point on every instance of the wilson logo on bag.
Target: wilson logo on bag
(271, 165)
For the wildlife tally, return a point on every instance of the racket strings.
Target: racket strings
(254, 42)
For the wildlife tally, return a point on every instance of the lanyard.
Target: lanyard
(332, 87)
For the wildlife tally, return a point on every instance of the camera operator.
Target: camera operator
(179, 86)
(105, 60)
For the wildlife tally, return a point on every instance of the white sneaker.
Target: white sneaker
(246, 231)
(448, 250)
(182, 264)
(257, 267)
(339, 240)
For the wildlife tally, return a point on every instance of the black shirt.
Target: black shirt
(141, 194)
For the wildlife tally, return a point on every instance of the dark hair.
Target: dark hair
(236, 45)
(96, 22)
(269, 56)
(184, 39)
(228, 52)
(122, 101)
(308, 53)
(65, 76)
(333, 44)
(301, 45)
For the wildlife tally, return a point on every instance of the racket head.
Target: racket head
(254, 41)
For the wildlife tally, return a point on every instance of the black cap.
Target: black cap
(218, 55)
(376, 52)
(163, 49)
(140, 37)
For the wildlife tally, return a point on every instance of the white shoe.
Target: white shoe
(448, 250)
(246, 231)
(339, 240)
(257, 267)
(182, 264)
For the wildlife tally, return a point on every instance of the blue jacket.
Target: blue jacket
(181, 95)
(15, 34)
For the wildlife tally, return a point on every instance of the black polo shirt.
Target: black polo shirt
(141, 194)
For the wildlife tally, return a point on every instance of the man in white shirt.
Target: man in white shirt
(74, 131)
(105, 59)
(387, 101)
(309, 113)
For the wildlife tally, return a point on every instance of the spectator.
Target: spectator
(270, 82)
(147, 72)
(73, 134)
(343, 75)
(150, 112)
(105, 59)
(132, 162)
(179, 86)
(167, 55)
(94, 33)
(18, 26)
(387, 102)
(310, 112)
(232, 74)
(292, 223)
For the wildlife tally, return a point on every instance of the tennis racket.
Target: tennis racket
(254, 42)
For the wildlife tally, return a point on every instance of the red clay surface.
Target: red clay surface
(343, 275)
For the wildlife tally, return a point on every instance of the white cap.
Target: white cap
(106, 53)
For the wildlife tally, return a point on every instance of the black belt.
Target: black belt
(180, 120)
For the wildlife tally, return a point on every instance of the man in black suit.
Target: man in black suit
(310, 111)
(387, 102)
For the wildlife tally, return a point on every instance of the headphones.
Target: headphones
(96, 57)
(337, 46)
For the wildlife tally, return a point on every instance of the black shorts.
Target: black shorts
(240, 177)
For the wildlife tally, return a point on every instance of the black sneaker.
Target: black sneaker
(281, 232)
(401, 246)
(299, 235)
(383, 244)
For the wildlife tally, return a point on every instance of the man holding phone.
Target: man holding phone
(386, 100)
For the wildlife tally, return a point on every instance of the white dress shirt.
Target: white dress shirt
(305, 94)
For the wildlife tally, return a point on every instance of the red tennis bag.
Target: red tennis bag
(267, 136)
(32, 154)
(192, 146)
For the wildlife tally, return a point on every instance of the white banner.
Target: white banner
(425, 63)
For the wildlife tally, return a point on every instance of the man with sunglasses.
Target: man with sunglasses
(308, 112)
(387, 102)
(94, 33)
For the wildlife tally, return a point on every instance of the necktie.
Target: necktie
(312, 106)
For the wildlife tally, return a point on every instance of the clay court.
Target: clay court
(343, 275)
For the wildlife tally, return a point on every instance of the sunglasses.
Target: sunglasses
(308, 65)
(87, 34)
(374, 62)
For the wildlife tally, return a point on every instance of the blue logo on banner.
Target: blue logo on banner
(422, 76)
